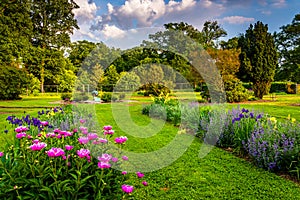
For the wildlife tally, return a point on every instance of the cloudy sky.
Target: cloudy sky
(124, 24)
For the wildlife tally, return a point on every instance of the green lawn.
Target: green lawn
(219, 175)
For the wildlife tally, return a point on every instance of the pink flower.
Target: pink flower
(109, 132)
(83, 153)
(51, 135)
(145, 183)
(82, 121)
(56, 131)
(58, 136)
(83, 129)
(100, 140)
(107, 128)
(45, 123)
(124, 172)
(92, 136)
(127, 188)
(38, 146)
(103, 165)
(39, 135)
(55, 152)
(65, 157)
(121, 140)
(1, 154)
(65, 133)
(21, 129)
(114, 159)
(69, 147)
(83, 140)
(35, 141)
(75, 130)
(124, 157)
(29, 136)
(140, 175)
(105, 157)
(20, 135)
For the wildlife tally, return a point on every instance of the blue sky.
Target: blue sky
(124, 24)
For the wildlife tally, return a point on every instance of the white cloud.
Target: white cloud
(112, 32)
(237, 19)
(279, 3)
(86, 12)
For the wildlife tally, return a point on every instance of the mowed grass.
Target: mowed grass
(219, 175)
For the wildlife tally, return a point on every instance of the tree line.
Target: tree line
(35, 50)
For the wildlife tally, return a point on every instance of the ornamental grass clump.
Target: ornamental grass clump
(58, 156)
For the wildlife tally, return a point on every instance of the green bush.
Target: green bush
(12, 82)
(66, 96)
(106, 97)
(235, 91)
(287, 87)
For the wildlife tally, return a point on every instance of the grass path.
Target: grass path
(219, 175)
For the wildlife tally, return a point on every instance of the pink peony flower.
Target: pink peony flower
(82, 121)
(92, 136)
(103, 165)
(114, 159)
(145, 183)
(38, 146)
(75, 130)
(140, 175)
(69, 147)
(124, 157)
(1, 154)
(56, 131)
(65, 157)
(107, 128)
(109, 132)
(35, 141)
(20, 135)
(29, 136)
(51, 135)
(39, 135)
(83, 140)
(21, 129)
(83, 153)
(105, 157)
(44, 123)
(127, 188)
(124, 172)
(55, 152)
(121, 140)
(65, 133)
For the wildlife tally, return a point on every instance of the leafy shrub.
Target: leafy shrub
(66, 96)
(61, 159)
(114, 98)
(235, 91)
(81, 96)
(12, 82)
(287, 87)
(106, 97)
(122, 96)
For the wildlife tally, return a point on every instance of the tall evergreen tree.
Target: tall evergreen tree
(258, 58)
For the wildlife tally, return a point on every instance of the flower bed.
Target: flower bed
(58, 155)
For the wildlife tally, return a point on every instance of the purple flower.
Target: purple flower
(55, 152)
(20, 135)
(140, 175)
(1, 154)
(38, 146)
(83, 153)
(103, 165)
(83, 140)
(127, 188)
(121, 140)
(69, 147)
